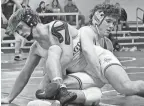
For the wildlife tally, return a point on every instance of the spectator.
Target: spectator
(41, 9)
(48, 10)
(8, 8)
(56, 8)
(70, 7)
(123, 18)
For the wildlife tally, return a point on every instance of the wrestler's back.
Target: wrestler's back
(49, 39)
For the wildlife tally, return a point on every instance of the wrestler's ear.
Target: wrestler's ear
(98, 17)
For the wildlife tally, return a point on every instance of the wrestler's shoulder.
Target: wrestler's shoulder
(54, 23)
(85, 29)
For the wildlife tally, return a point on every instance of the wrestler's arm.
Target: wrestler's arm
(53, 60)
(87, 43)
(24, 75)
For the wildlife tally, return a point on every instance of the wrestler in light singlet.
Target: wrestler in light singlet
(79, 63)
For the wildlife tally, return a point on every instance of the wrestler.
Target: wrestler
(102, 22)
(52, 40)
(39, 50)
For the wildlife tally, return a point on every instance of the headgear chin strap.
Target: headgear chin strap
(97, 22)
(31, 19)
(98, 19)
(30, 37)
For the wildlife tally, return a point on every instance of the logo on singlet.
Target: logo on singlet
(107, 60)
(77, 48)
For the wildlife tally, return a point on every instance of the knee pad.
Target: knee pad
(92, 96)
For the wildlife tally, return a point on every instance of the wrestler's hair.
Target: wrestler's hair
(30, 17)
(108, 9)
(26, 15)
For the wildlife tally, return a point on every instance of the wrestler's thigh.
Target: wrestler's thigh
(116, 76)
(79, 80)
(107, 59)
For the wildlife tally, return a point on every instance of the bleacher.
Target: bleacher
(134, 34)
(128, 37)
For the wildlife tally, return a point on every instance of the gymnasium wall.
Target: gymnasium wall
(86, 5)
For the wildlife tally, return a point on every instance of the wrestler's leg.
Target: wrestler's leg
(83, 88)
(17, 46)
(23, 42)
(87, 91)
(119, 79)
(117, 76)
(88, 97)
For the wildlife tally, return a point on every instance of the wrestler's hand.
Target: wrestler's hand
(5, 100)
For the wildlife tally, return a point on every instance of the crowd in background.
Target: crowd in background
(55, 7)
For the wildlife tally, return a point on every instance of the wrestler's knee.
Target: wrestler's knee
(92, 96)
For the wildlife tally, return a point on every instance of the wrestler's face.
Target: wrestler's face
(23, 29)
(104, 23)
(107, 25)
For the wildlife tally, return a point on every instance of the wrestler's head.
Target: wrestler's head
(104, 18)
(23, 22)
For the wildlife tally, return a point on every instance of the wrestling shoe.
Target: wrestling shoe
(65, 96)
(49, 92)
(18, 58)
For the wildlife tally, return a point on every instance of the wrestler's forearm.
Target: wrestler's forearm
(53, 64)
(54, 68)
(20, 83)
